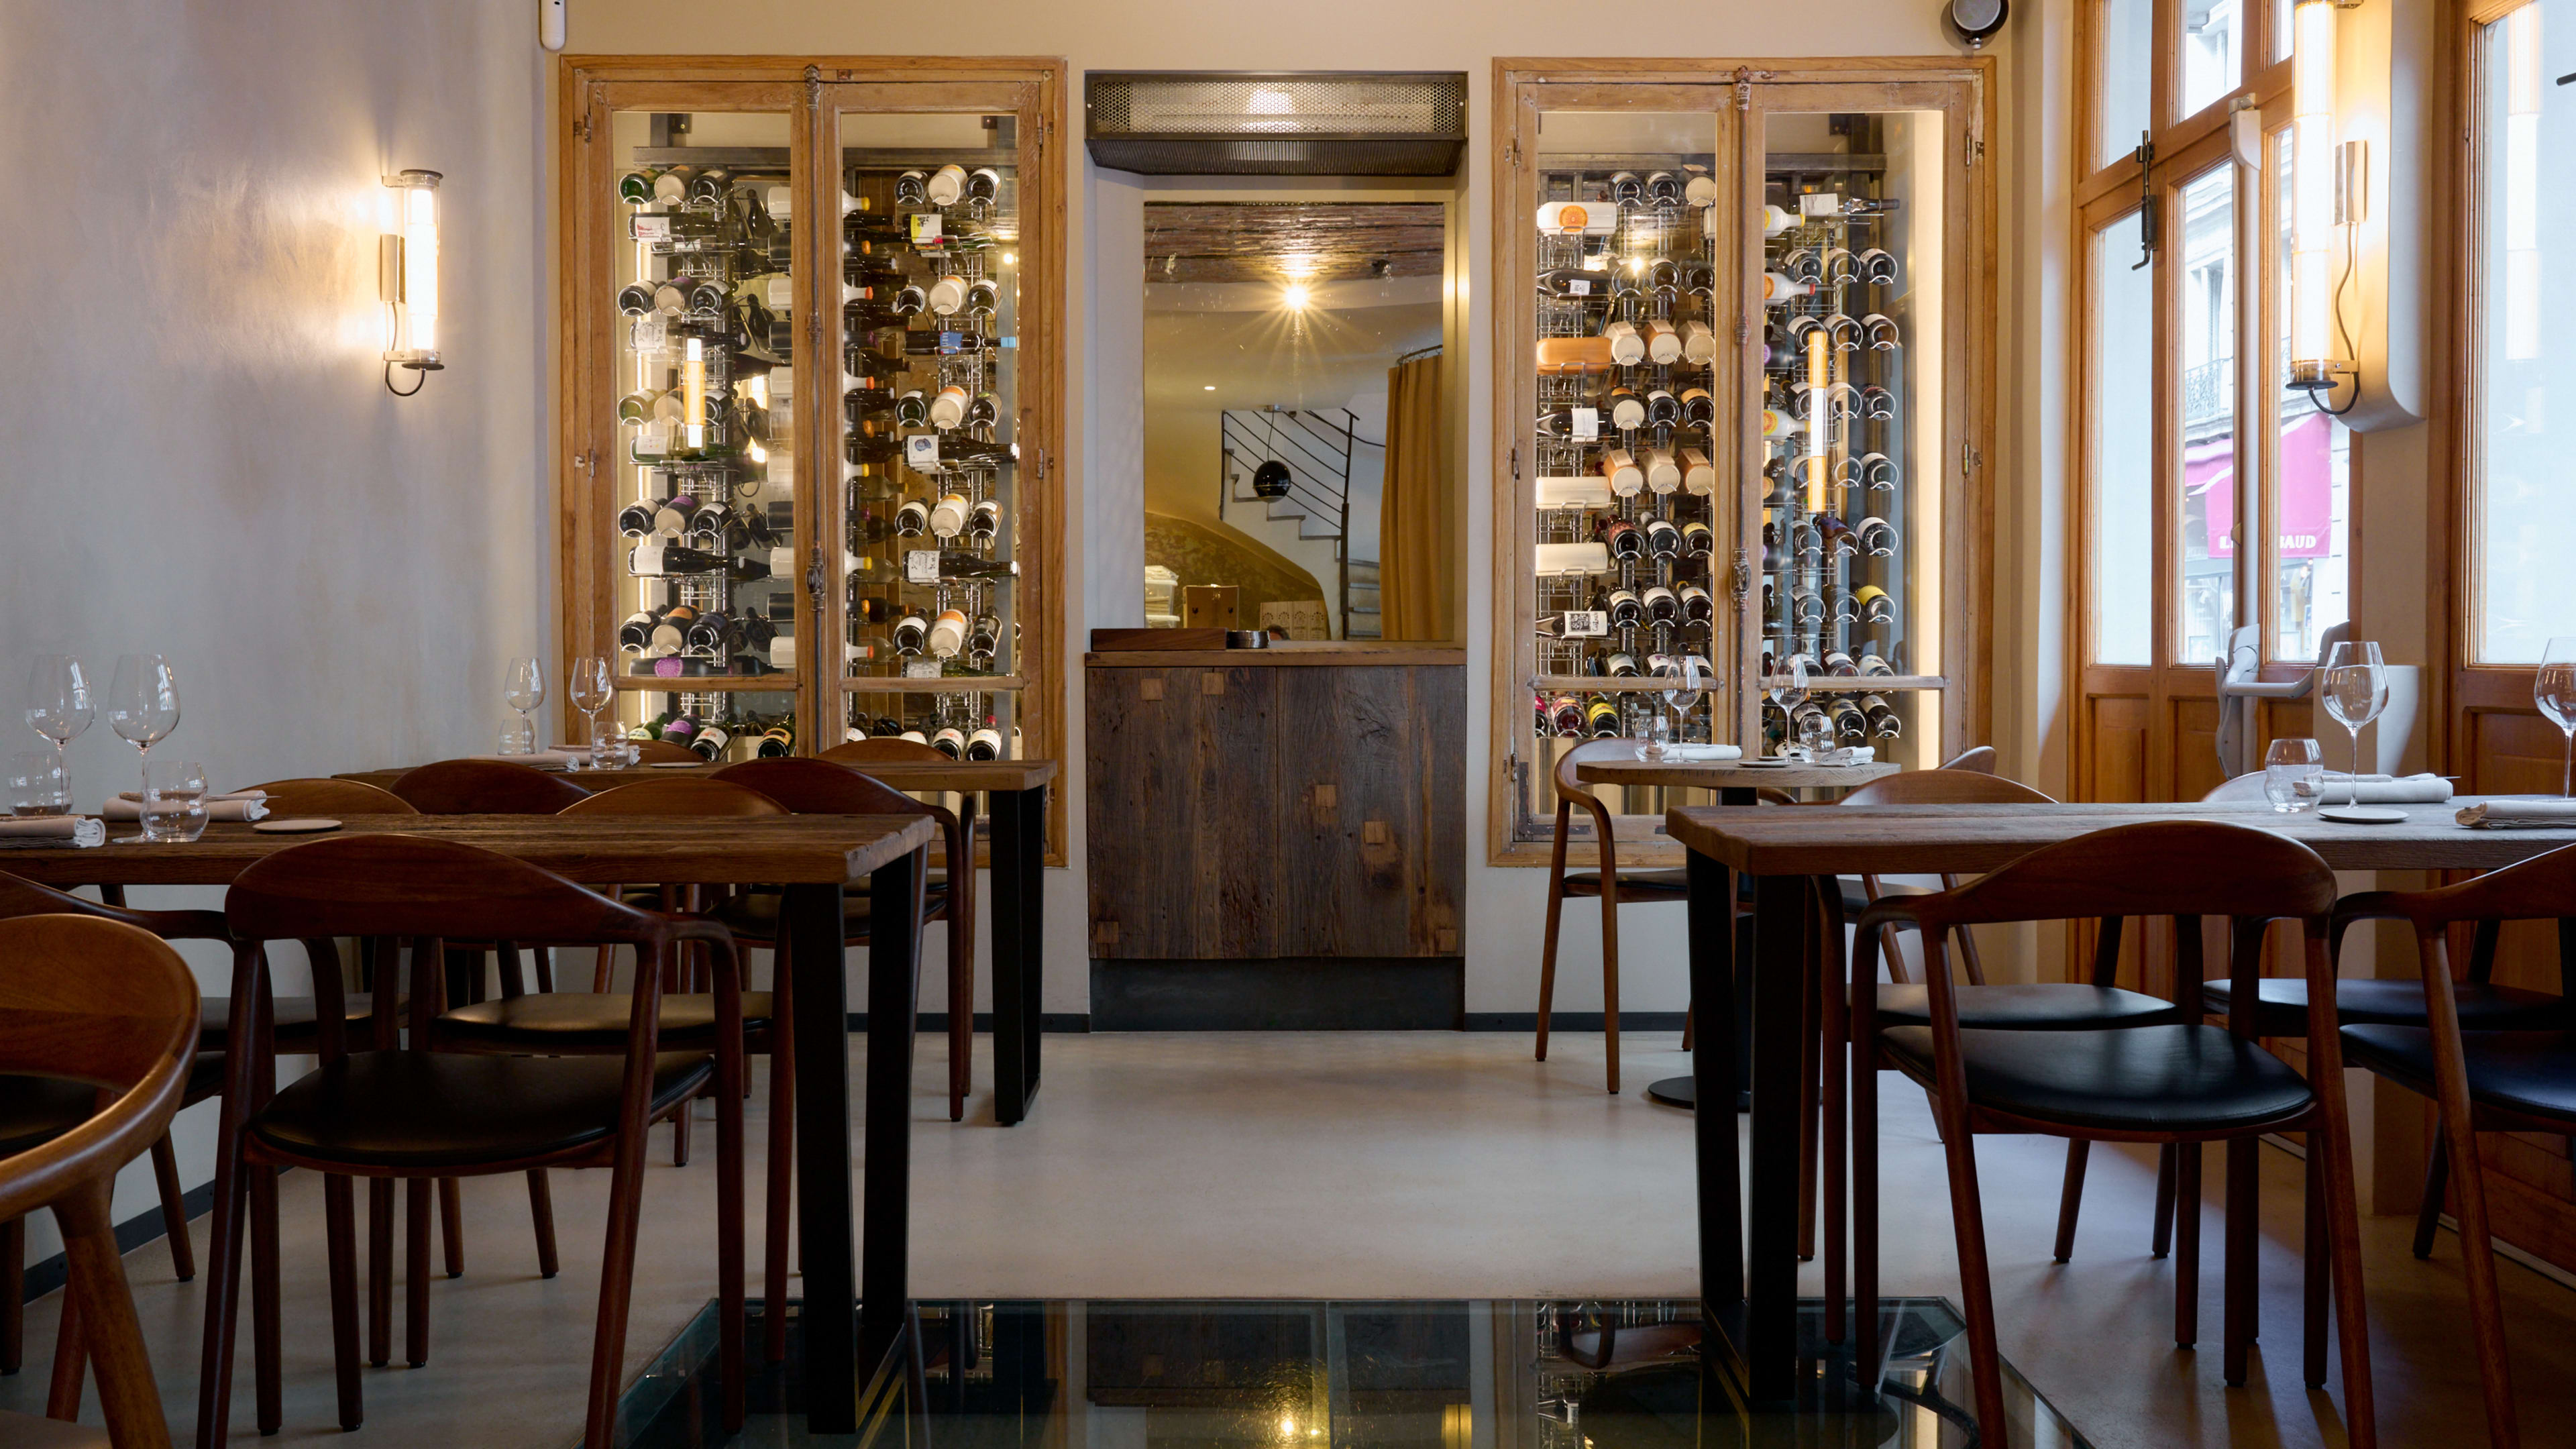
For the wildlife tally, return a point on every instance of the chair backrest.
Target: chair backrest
(2241, 790)
(333, 797)
(2541, 888)
(409, 885)
(680, 795)
(884, 747)
(2153, 868)
(485, 787)
(812, 786)
(1945, 787)
(1980, 758)
(1566, 784)
(19, 897)
(662, 752)
(94, 1001)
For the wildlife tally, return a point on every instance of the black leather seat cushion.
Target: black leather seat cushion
(2033, 1007)
(2141, 1078)
(36, 1110)
(568, 1020)
(425, 1110)
(2527, 1071)
(292, 1016)
(2283, 1001)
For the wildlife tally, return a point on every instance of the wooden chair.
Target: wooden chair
(564, 1023)
(449, 1105)
(2482, 1078)
(1609, 883)
(810, 786)
(2163, 1080)
(332, 797)
(1979, 758)
(108, 1005)
(485, 787)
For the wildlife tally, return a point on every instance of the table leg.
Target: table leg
(1019, 860)
(1713, 1068)
(810, 917)
(1780, 928)
(1683, 1091)
(894, 1010)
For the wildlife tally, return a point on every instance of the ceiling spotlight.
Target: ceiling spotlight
(1207, 387)
(1294, 297)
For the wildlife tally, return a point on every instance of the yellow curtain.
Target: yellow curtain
(1417, 537)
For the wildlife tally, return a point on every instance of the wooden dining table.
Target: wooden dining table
(1016, 799)
(854, 1299)
(1749, 1240)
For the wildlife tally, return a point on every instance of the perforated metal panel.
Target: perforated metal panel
(1287, 124)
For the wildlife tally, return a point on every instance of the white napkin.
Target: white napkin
(211, 796)
(123, 810)
(2507, 814)
(541, 760)
(2380, 789)
(1703, 752)
(77, 830)
(1848, 755)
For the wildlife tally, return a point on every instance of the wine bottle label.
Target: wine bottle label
(923, 228)
(921, 566)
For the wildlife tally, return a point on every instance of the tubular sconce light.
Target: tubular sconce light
(407, 276)
(2326, 204)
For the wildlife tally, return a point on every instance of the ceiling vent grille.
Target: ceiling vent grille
(1278, 123)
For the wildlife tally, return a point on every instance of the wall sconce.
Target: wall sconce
(2325, 203)
(407, 276)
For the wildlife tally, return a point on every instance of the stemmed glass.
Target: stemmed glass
(590, 691)
(2554, 690)
(143, 705)
(2354, 687)
(58, 703)
(525, 690)
(1681, 690)
(1786, 684)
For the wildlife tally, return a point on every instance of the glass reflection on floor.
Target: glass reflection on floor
(1346, 1375)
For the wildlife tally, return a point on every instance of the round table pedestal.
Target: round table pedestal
(1683, 1092)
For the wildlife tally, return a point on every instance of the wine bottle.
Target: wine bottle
(948, 453)
(956, 565)
(948, 409)
(1569, 218)
(986, 743)
(1576, 282)
(983, 297)
(1699, 477)
(1872, 666)
(1564, 714)
(1850, 725)
(1662, 605)
(1840, 665)
(950, 741)
(635, 631)
(777, 741)
(983, 410)
(948, 633)
(986, 525)
(1620, 666)
(1875, 606)
(983, 185)
(1664, 188)
(947, 295)
(1627, 410)
(948, 517)
(1775, 220)
(1662, 539)
(912, 520)
(861, 446)
(1697, 607)
(1574, 354)
(1779, 290)
(912, 188)
(911, 632)
(1663, 343)
(869, 403)
(912, 410)
(1884, 722)
(1601, 718)
(1625, 609)
(1627, 344)
(945, 186)
(1697, 541)
(863, 266)
(1877, 537)
(1663, 473)
(1662, 409)
(654, 559)
(1620, 467)
(637, 520)
(710, 632)
(984, 636)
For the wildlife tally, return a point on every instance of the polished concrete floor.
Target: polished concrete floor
(1380, 1166)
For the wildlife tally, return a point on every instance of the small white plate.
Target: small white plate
(2362, 815)
(1765, 762)
(676, 765)
(308, 826)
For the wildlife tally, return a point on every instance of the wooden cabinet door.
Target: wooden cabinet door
(1184, 834)
(1372, 856)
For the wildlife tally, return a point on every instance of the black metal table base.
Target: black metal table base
(1682, 1092)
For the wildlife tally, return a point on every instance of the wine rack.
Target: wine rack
(1740, 402)
(810, 398)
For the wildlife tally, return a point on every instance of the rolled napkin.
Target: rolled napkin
(2337, 788)
(541, 760)
(1703, 752)
(123, 810)
(211, 796)
(1848, 755)
(2526, 813)
(81, 831)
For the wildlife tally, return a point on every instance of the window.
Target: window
(2206, 588)
(2125, 54)
(2525, 260)
(2311, 557)
(2213, 43)
(2123, 449)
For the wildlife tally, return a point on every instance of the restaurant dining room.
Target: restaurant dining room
(1109, 725)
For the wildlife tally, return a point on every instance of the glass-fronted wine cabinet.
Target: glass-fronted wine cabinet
(1738, 415)
(811, 401)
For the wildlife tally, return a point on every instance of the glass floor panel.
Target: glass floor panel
(1293, 1374)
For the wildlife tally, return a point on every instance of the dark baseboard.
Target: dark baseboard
(936, 1022)
(1426, 993)
(1573, 1021)
(144, 1227)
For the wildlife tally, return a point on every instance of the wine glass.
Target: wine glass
(590, 689)
(2554, 690)
(2292, 772)
(1682, 689)
(143, 705)
(524, 691)
(1786, 685)
(58, 702)
(2354, 686)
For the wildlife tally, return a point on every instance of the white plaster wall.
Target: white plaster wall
(202, 459)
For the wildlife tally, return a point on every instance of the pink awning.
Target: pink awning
(2307, 489)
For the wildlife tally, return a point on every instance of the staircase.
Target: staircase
(1316, 449)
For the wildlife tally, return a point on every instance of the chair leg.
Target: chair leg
(174, 1208)
(1864, 1189)
(2186, 1244)
(2238, 1298)
(1610, 978)
(2428, 1218)
(1810, 1060)
(2316, 1268)
(416, 1196)
(1976, 1289)
(961, 1001)
(71, 1360)
(13, 1295)
(2477, 1264)
(729, 1234)
(680, 1132)
(541, 1212)
(616, 1291)
(340, 1227)
(110, 1336)
(1690, 1017)
(2070, 1197)
(2160, 1238)
(1834, 1083)
(1547, 942)
(451, 1225)
(380, 1271)
(267, 1353)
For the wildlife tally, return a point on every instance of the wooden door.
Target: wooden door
(1185, 835)
(1372, 849)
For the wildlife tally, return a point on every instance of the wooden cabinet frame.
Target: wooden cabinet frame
(1961, 88)
(812, 93)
